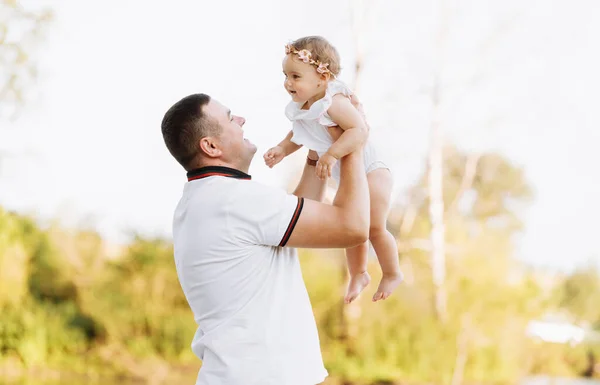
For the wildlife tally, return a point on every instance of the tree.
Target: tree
(496, 192)
(436, 181)
(491, 297)
(441, 89)
(20, 31)
(488, 293)
(579, 294)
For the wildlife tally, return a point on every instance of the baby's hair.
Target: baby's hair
(321, 50)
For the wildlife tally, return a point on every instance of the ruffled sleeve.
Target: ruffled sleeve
(333, 88)
(318, 111)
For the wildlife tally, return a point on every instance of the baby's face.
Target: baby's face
(301, 79)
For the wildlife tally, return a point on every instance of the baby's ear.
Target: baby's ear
(326, 76)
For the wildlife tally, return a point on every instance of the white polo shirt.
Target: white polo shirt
(255, 320)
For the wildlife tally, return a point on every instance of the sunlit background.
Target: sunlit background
(88, 290)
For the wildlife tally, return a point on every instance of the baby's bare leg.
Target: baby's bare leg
(384, 243)
(357, 266)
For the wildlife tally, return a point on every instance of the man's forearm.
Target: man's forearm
(350, 141)
(310, 187)
(353, 193)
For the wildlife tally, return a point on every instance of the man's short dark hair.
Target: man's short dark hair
(184, 124)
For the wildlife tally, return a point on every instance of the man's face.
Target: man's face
(236, 150)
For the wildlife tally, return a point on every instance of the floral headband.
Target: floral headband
(305, 56)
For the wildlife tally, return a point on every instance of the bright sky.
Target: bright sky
(90, 150)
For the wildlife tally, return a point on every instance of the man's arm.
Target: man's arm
(343, 224)
(310, 186)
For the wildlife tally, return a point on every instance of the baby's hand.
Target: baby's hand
(325, 165)
(274, 156)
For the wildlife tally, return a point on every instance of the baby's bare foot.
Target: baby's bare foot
(357, 284)
(387, 285)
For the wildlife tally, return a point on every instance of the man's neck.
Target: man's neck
(219, 163)
(207, 171)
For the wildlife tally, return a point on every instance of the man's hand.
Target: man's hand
(358, 105)
(273, 156)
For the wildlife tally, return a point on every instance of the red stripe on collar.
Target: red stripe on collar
(207, 171)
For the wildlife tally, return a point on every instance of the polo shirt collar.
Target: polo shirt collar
(207, 171)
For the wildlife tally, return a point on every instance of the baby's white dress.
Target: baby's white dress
(310, 128)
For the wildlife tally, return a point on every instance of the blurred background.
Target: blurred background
(486, 111)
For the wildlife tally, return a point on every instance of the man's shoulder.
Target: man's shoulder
(251, 190)
(233, 194)
(225, 185)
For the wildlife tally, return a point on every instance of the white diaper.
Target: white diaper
(371, 161)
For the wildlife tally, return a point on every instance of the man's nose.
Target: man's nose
(241, 121)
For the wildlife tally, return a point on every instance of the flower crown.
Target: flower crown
(305, 56)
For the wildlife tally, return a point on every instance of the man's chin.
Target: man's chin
(250, 154)
(251, 146)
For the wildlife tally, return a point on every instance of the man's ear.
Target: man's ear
(210, 146)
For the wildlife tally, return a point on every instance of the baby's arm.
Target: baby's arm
(349, 118)
(287, 145)
(284, 148)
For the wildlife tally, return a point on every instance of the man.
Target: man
(234, 244)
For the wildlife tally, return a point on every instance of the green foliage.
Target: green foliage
(39, 332)
(401, 338)
(142, 302)
(63, 298)
(580, 295)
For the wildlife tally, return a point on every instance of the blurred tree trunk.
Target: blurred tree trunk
(436, 158)
(461, 351)
(436, 183)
